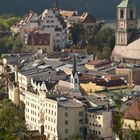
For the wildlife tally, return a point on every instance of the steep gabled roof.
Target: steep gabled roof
(125, 4)
(133, 112)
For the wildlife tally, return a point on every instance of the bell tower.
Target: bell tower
(126, 22)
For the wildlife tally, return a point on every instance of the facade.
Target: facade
(93, 85)
(99, 123)
(133, 74)
(97, 64)
(58, 117)
(54, 23)
(90, 87)
(127, 35)
(39, 41)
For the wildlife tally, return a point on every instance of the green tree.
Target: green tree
(11, 117)
(77, 33)
(106, 52)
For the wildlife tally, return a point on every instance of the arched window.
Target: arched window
(42, 129)
(76, 81)
(121, 13)
(131, 14)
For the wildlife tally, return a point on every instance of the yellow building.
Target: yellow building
(91, 87)
(97, 64)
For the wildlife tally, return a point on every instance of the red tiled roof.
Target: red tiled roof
(75, 51)
(133, 112)
(98, 63)
(103, 82)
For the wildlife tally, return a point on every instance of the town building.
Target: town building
(39, 42)
(58, 117)
(97, 64)
(99, 123)
(54, 24)
(127, 35)
(91, 85)
(131, 118)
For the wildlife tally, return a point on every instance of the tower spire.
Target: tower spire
(74, 66)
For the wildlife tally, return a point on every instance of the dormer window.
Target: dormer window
(122, 14)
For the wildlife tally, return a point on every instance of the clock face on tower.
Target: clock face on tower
(121, 24)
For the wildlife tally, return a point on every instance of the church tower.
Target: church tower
(74, 79)
(126, 22)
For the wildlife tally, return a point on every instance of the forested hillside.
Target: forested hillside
(102, 9)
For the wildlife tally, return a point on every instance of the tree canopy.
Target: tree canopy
(11, 120)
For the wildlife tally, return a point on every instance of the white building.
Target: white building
(52, 22)
(99, 123)
(58, 117)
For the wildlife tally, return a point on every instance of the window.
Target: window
(99, 133)
(80, 113)
(81, 121)
(57, 34)
(76, 81)
(66, 131)
(54, 120)
(98, 117)
(42, 129)
(66, 122)
(57, 41)
(122, 14)
(81, 130)
(131, 14)
(66, 114)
